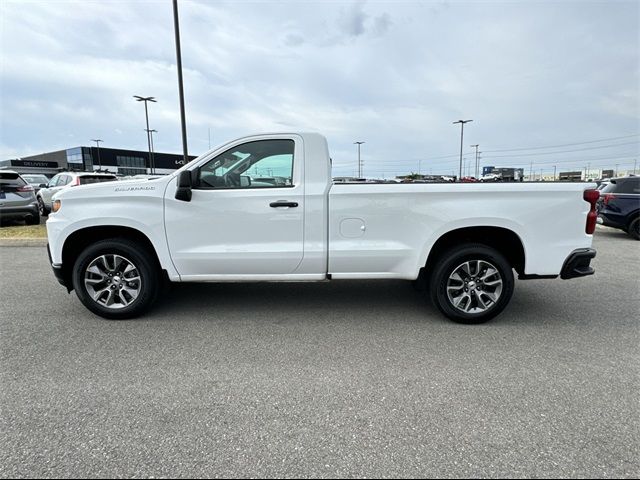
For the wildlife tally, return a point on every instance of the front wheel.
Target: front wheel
(634, 229)
(116, 279)
(471, 283)
(42, 208)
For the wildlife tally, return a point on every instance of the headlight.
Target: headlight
(56, 206)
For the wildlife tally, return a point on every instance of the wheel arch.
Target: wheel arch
(80, 239)
(504, 240)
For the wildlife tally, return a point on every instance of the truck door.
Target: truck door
(246, 214)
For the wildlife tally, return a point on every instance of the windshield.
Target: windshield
(36, 179)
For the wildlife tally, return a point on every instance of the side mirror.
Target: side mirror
(245, 181)
(184, 186)
(43, 185)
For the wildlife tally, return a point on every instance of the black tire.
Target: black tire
(147, 268)
(449, 262)
(32, 219)
(42, 208)
(634, 229)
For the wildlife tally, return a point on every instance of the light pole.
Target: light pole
(461, 122)
(359, 161)
(146, 113)
(476, 147)
(97, 140)
(153, 152)
(554, 173)
(183, 120)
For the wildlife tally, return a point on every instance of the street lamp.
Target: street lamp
(153, 152)
(461, 122)
(97, 140)
(183, 121)
(146, 113)
(476, 147)
(359, 161)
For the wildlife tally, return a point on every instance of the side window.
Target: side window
(260, 164)
(631, 185)
(63, 180)
(53, 182)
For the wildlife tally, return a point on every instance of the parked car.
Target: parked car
(469, 180)
(37, 181)
(65, 180)
(619, 205)
(115, 243)
(17, 199)
(491, 177)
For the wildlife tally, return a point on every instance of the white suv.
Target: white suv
(65, 180)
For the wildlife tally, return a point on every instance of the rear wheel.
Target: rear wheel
(471, 283)
(116, 279)
(32, 220)
(634, 229)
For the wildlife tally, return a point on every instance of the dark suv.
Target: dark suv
(17, 200)
(619, 205)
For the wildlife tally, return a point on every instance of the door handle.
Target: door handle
(282, 203)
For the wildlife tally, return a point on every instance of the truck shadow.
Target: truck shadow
(390, 301)
(282, 302)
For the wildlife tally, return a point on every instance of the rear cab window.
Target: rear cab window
(89, 179)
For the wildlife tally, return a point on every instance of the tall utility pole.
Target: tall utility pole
(183, 120)
(476, 147)
(359, 161)
(146, 113)
(97, 140)
(554, 173)
(153, 152)
(531, 172)
(461, 122)
(635, 162)
(617, 169)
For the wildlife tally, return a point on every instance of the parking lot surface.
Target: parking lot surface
(322, 380)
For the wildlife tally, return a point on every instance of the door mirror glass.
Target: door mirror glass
(184, 186)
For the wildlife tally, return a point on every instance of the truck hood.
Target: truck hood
(138, 187)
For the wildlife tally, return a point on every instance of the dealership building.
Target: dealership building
(88, 159)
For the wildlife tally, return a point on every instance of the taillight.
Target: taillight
(592, 197)
(76, 182)
(608, 197)
(25, 188)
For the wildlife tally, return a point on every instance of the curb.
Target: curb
(23, 242)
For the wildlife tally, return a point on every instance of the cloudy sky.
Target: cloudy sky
(564, 75)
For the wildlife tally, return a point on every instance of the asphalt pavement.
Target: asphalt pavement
(339, 379)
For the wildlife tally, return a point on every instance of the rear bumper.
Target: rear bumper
(20, 211)
(578, 264)
(607, 221)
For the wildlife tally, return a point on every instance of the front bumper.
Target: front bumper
(57, 271)
(578, 264)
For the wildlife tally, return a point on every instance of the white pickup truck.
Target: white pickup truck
(263, 208)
